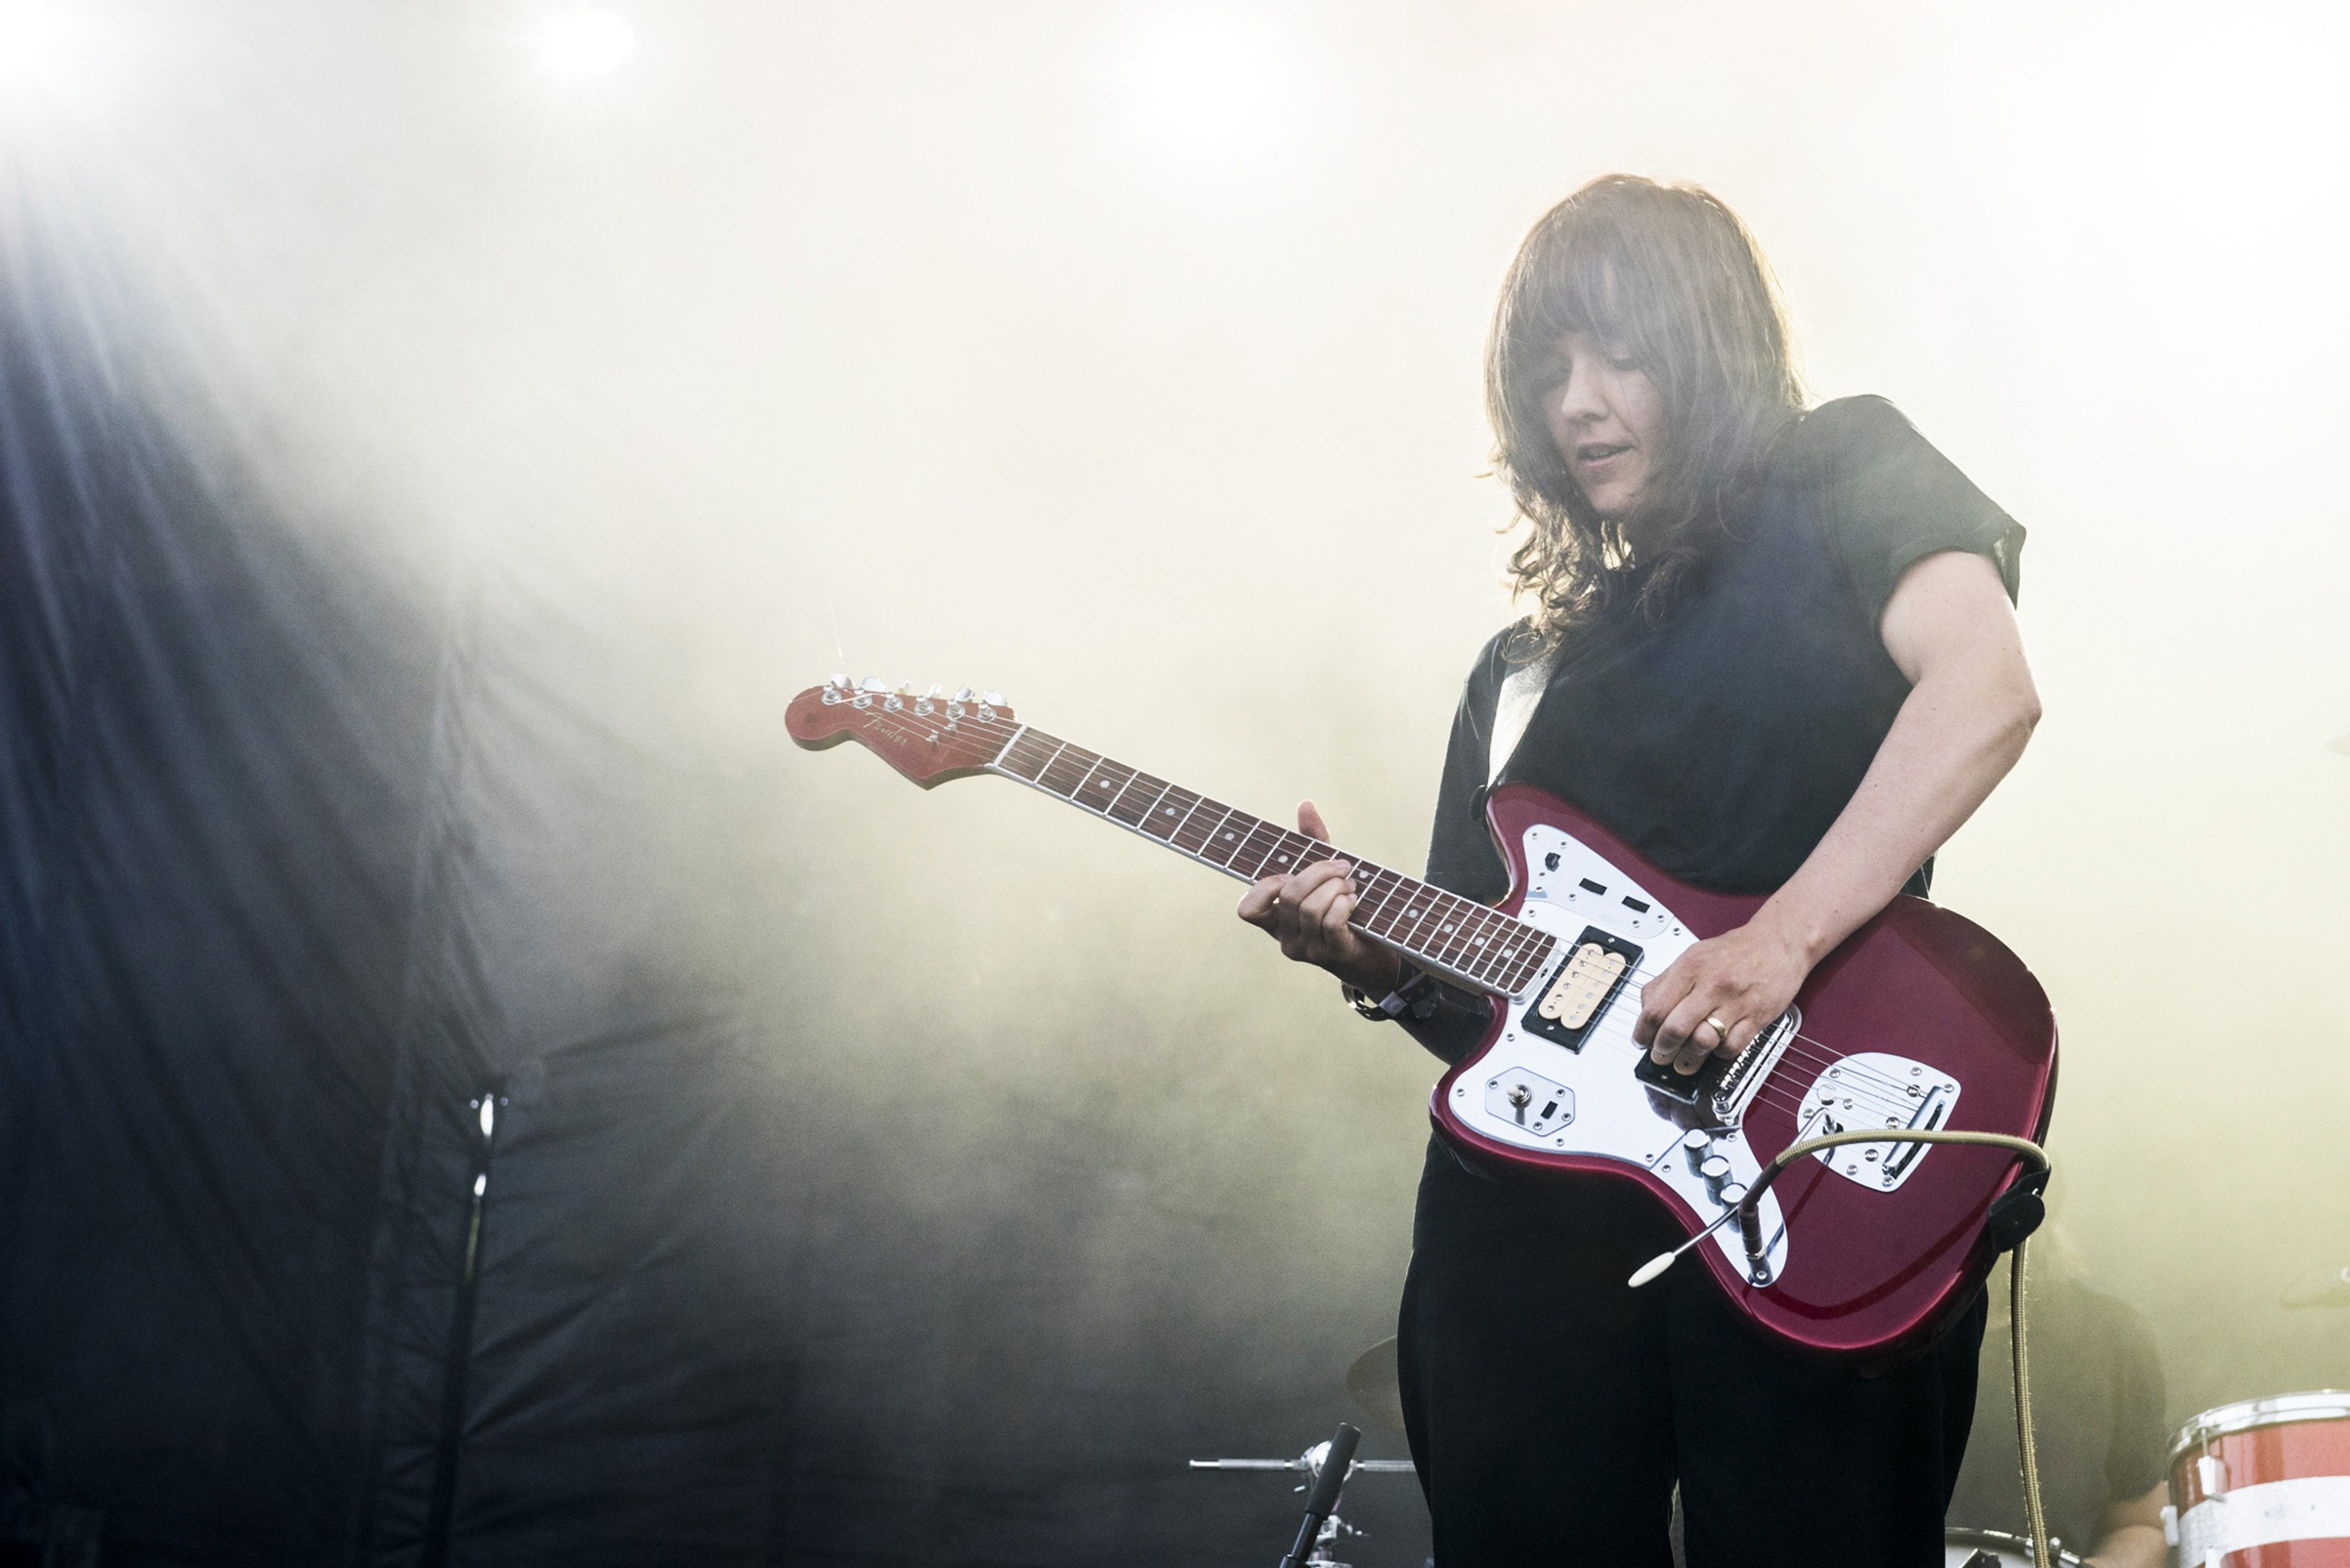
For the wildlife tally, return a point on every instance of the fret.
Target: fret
(1417, 903)
(1197, 832)
(1491, 928)
(1473, 938)
(1030, 751)
(1531, 948)
(1066, 775)
(1366, 882)
(1254, 850)
(1103, 784)
(1168, 813)
(1378, 890)
(1451, 937)
(1435, 934)
(1134, 801)
(1229, 836)
(1447, 936)
(1477, 950)
(1293, 852)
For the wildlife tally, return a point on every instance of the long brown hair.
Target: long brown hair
(1669, 274)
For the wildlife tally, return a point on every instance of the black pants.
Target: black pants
(1552, 1408)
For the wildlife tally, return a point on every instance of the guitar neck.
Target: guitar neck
(1466, 942)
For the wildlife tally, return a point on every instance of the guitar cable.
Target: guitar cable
(2013, 1215)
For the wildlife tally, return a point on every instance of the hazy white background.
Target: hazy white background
(1124, 356)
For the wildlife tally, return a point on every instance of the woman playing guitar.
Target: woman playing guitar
(1776, 653)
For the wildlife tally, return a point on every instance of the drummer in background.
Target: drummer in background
(2096, 1411)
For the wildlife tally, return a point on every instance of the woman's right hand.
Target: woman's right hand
(1306, 911)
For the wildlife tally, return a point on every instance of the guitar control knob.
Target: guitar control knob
(1716, 1171)
(1732, 1194)
(1696, 1146)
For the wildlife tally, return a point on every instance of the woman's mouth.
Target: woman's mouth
(1595, 452)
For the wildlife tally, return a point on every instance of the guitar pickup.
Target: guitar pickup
(1582, 988)
(1683, 1087)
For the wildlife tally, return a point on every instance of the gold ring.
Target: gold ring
(1719, 1029)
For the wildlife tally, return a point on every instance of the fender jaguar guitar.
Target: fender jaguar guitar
(1920, 1021)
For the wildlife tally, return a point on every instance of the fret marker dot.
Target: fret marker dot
(1227, 837)
(1414, 914)
(1283, 858)
(1102, 783)
(1169, 811)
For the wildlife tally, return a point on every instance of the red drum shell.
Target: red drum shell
(2296, 1447)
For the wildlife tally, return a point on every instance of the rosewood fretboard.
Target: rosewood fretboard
(1467, 941)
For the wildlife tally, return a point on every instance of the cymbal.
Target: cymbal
(2326, 1286)
(1378, 1386)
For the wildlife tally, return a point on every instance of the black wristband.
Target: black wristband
(1410, 989)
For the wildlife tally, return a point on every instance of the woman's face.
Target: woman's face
(1608, 421)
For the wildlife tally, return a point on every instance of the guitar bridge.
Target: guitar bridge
(1743, 1078)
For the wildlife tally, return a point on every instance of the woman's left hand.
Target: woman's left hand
(1743, 978)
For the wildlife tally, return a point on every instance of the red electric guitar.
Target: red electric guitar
(1921, 1020)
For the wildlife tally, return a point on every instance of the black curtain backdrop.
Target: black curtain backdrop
(274, 1290)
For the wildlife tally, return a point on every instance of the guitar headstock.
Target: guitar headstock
(929, 738)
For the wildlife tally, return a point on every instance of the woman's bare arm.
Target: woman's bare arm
(1970, 710)
(2133, 1531)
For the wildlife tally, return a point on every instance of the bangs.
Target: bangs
(1586, 278)
(1667, 277)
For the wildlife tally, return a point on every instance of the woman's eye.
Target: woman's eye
(1620, 361)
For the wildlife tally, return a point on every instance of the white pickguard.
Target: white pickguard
(1611, 1111)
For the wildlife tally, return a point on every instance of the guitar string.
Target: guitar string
(1110, 767)
(1529, 936)
(1006, 732)
(1521, 947)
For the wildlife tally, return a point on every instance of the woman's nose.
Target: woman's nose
(1578, 396)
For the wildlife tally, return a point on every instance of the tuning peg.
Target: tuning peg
(873, 682)
(935, 689)
(841, 681)
(995, 699)
(965, 695)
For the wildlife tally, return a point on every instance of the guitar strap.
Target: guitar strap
(1514, 709)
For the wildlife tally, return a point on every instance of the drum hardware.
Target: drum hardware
(1997, 1549)
(1377, 1384)
(2251, 1478)
(1321, 1527)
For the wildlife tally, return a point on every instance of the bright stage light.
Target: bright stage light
(1208, 83)
(581, 44)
